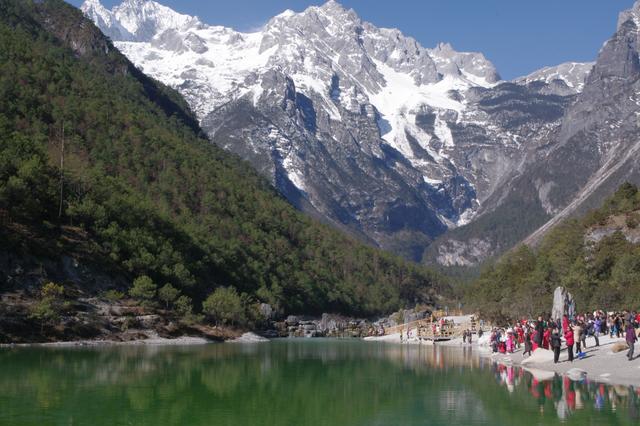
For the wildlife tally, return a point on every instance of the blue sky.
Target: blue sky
(518, 36)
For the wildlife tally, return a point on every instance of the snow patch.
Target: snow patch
(432, 182)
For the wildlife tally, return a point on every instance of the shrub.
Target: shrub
(224, 306)
(113, 295)
(49, 304)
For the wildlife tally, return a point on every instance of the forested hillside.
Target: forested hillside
(101, 163)
(597, 257)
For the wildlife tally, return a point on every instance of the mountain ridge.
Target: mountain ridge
(358, 125)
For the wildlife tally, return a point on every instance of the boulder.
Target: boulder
(540, 355)
(563, 304)
(292, 320)
(329, 324)
(266, 311)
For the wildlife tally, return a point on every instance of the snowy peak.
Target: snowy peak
(339, 32)
(335, 10)
(329, 33)
(471, 65)
(106, 21)
(147, 19)
(570, 74)
(137, 20)
(632, 14)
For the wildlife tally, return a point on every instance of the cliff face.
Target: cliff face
(591, 153)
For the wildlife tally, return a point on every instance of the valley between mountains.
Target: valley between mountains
(163, 175)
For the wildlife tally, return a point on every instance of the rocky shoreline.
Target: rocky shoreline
(97, 321)
(88, 313)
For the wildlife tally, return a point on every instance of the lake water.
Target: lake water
(292, 382)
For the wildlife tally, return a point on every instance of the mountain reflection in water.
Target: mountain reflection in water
(293, 382)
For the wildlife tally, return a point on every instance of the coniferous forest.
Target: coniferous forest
(100, 162)
(596, 257)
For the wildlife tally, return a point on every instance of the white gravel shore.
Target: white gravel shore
(151, 341)
(249, 338)
(599, 364)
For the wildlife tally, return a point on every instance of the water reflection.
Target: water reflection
(564, 396)
(311, 382)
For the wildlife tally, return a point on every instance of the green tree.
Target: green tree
(144, 289)
(224, 306)
(184, 306)
(49, 304)
(602, 272)
(168, 294)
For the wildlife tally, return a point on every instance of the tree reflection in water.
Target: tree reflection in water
(292, 382)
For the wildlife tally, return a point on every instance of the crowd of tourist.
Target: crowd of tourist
(573, 332)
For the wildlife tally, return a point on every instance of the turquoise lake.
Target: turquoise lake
(293, 382)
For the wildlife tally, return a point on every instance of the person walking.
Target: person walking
(527, 342)
(583, 335)
(494, 340)
(568, 336)
(556, 343)
(597, 328)
(618, 325)
(610, 325)
(630, 335)
(539, 334)
(577, 337)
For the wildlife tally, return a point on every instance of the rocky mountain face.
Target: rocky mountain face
(359, 125)
(597, 147)
(593, 151)
(567, 78)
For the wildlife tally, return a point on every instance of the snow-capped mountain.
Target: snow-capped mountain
(359, 125)
(136, 20)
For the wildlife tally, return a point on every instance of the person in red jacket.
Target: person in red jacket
(565, 323)
(546, 337)
(568, 336)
